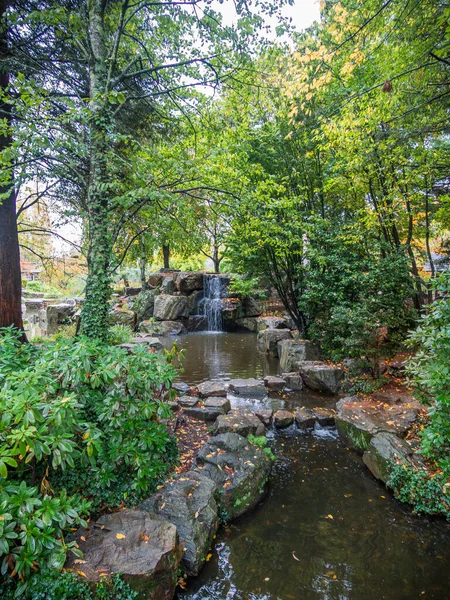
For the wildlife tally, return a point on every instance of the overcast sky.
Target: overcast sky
(303, 14)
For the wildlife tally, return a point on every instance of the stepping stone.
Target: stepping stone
(181, 387)
(240, 470)
(325, 416)
(283, 418)
(149, 340)
(212, 388)
(188, 502)
(188, 401)
(247, 387)
(221, 404)
(274, 384)
(321, 377)
(305, 418)
(203, 413)
(243, 423)
(265, 415)
(294, 381)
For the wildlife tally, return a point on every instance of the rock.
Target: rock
(212, 388)
(174, 406)
(274, 384)
(249, 323)
(193, 301)
(121, 316)
(321, 376)
(384, 449)
(242, 422)
(188, 401)
(294, 381)
(167, 285)
(358, 420)
(144, 305)
(132, 291)
(162, 327)
(247, 387)
(325, 416)
(221, 404)
(269, 338)
(188, 282)
(292, 352)
(155, 279)
(283, 418)
(170, 308)
(58, 314)
(397, 367)
(265, 415)
(181, 387)
(304, 418)
(150, 341)
(251, 307)
(230, 311)
(210, 410)
(263, 323)
(144, 550)
(188, 502)
(240, 470)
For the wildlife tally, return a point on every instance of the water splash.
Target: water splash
(211, 305)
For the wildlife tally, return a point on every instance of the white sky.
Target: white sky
(303, 14)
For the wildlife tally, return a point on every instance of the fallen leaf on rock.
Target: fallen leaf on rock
(294, 557)
(120, 536)
(81, 574)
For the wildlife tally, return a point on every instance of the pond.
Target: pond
(327, 530)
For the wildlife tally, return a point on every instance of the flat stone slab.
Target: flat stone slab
(358, 420)
(148, 340)
(162, 327)
(240, 470)
(265, 415)
(242, 422)
(283, 418)
(221, 404)
(212, 388)
(188, 502)
(188, 401)
(274, 384)
(292, 352)
(203, 413)
(181, 387)
(293, 381)
(304, 418)
(325, 416)
(144, 550)
(321, 377)
(247, 387)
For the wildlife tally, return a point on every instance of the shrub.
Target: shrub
(120, 334)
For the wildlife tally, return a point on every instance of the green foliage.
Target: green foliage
(261, 442)
(77, 418)
(429, 370)
(244, 287)
(428, 493)
(120, 334)
(366, 385)
(39, 286)
(51, 585)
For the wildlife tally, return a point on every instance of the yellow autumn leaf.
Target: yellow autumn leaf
(120, 536)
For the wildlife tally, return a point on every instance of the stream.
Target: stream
(327, 529)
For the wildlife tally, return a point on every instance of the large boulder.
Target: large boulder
(242, 422)
(263, 323)
(250, 307)
(155, 279)
(240, 470)
(59, 314)
(188, 502)
(358, 420)
(210, 409)
(247, 387)
(188, 281)
(269, 338)
(121, 316)
(144, 305)
(249, 323)
(294, 381)
(305, 418)
(167, 285)
(145, 550)
(384, 450)
(292, 352)
(162, 327)
(212, 388)
(274, 384)
(171, 308)
(193, 301)
(321, 376)
(283, 418)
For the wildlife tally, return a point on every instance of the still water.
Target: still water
(327, 530)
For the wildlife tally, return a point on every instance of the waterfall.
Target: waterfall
(214, 288)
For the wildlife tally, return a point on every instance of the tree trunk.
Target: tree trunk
(10, 276)
(166, 256)
(216, 260)
(94, 316)
(143, 263)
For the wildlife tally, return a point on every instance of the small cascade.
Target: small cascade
(210, 306)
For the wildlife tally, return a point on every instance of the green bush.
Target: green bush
(428, 493)
(82, 412)
(120, 334)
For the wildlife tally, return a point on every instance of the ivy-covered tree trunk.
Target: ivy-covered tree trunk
(10, 277)
(94, 316)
